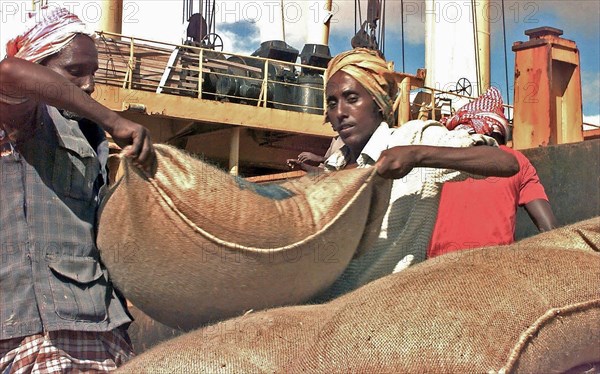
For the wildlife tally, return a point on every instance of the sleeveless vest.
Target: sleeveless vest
(51, 277)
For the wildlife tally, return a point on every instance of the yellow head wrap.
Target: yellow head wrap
(373, 73)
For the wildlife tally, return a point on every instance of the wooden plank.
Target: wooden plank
(276, 177)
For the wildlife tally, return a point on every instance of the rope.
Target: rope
(201, 10)
(360, 20)
(213, 18)
(382, 27)
(355, 13)
(505, 56)
(528, 336)
(402, 32)
(188, 10)
(110, 60)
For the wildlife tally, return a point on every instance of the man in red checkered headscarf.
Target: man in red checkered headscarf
(476, 213)
(482, 116)
(58, 309)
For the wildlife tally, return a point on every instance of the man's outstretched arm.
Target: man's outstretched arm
(541, 214)
(396, 162)
(36, 83)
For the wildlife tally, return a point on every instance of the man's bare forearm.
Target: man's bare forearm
(37, 83)
(541, 214)
(481, 160)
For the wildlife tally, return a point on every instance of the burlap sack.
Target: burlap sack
(585, 236)
(145, 332)
(499, 309)
(194, 244)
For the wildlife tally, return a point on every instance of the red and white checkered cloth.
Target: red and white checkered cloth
(482, 116)
(65, 352)
(46, 32)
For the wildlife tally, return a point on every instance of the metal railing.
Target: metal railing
(192, 71)
(179, 69)
(438, 103)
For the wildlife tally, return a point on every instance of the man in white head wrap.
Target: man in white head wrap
(58, 309)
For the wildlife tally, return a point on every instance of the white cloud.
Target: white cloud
(579, 14)
(232, 42)
(343, 20)
(590, 81)
(162, 19)
(591, 120)
(157, 20)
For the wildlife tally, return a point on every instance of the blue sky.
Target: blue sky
(237, 22)
(579, 20)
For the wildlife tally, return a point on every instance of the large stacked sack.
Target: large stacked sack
(584, 236)
(501, 309)
(145, 333)
(193, 244)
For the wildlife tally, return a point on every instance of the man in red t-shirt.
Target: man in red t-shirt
(482, 212)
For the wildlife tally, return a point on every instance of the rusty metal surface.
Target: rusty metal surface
(547, 106)
(207, 111)
(570, 174)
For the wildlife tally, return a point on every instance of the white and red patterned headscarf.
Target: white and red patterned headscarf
(484, 115)
(47, 32)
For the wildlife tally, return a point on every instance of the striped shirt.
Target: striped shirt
(410, 217)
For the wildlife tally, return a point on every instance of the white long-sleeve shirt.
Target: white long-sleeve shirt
(410, 217)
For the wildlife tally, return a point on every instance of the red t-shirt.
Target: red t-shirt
(482, 212)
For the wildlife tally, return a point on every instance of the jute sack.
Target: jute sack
(194, 244)
(584, 236)
(499, 309)
(145, 332)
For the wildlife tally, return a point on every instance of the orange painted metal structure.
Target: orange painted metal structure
(548, 104)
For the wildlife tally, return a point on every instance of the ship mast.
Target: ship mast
(481, 8)
(272, 23)
(111, 19)
(327, 23)
(317, 22)
(457, 45)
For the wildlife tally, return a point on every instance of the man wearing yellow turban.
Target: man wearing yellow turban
(420, 155)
